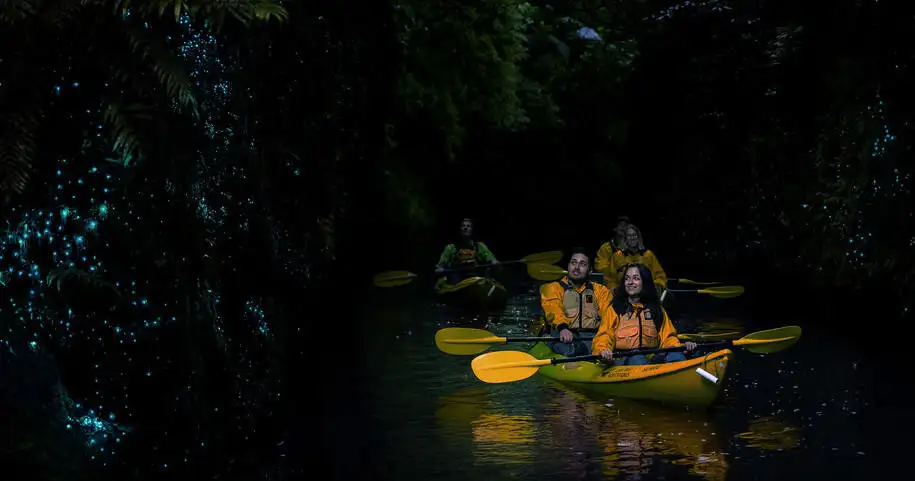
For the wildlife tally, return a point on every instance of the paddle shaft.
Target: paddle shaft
(531, 339)
(476, 266)
(711, 288)
(499, 340)
(636, 352)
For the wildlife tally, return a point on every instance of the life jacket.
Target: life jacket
(467, 256)
(581, 307)
(629, 257)
(638, 329)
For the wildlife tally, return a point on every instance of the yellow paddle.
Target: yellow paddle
(722, 292)
(399, 278)
(680, 280)
(708, 336)
(547, 272)
(695, 283)
(467, 341)
(509, 366)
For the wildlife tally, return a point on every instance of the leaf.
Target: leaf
(122, 120)
(18, 146)
(168, 67)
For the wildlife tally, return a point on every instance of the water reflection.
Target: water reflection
(504, 439)
(497, 438)
(771, 434)
(634, 439)
(640, 439)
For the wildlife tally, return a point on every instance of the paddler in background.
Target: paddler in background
(636, 320)
(606, 250)
(465, 253)
(574, 306)
(633, 252)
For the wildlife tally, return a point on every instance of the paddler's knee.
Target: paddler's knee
(668, 357)
(637, 360)
(563, 348)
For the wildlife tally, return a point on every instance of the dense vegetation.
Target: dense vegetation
(257, 145)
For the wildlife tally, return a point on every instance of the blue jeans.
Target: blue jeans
(641, 359)
(580, 345)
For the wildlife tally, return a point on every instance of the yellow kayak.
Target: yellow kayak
(672, 382)
(474, 293)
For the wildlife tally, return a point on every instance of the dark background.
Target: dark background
(760, 143)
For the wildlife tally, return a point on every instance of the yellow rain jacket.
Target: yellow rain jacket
(637, 328)
(578, 309)
(611, 265)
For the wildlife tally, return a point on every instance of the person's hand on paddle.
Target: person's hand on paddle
(565, 336)
(606, 354)
(690, 346)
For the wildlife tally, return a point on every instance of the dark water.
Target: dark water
(809, 410)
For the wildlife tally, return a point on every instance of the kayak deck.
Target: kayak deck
(672, 382)
(479, 284)
(473, 292)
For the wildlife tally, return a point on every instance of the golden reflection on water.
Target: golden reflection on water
(634, 436)
(771, 434)
(627, 438)
(497, 438)
(510, 439)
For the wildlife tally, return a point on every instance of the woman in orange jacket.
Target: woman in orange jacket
(636, 320)
(611, 263)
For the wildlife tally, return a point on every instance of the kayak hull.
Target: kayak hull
(478, 294)
(672, 382)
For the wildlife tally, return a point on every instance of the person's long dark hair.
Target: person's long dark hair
(649, 296)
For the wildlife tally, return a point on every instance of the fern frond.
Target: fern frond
(122, 121)
(14, 11)
(18, 144)
(62, 12)
(263, 10)
(213, 10)
(59, 278)
(169, 68)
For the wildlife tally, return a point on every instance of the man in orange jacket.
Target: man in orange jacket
(574, 306)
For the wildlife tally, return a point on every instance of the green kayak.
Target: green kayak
(478, 294)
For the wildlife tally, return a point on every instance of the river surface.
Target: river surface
(808, 410)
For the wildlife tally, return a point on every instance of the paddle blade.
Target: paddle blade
(545, 272)
(772, 340)
(551, 257)
(505, 366)
(723, 292)
(696, 283)
(708, 336)
(465, 341)
(393, 278)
